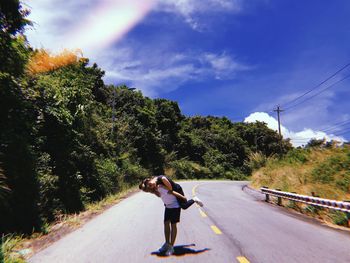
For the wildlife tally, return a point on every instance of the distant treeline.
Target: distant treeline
(57, 148)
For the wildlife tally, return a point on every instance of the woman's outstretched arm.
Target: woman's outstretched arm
(178, 195)
(167, 184)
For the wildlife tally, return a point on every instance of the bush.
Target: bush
(297, 156)
(132, 173)
(339, 218)
(217, 171)
(49, 202)
(326, 171)
(257, 160)
(108, 175)
(315, 143)
(185, 169)
(323, 174)
(344, 182)
(311, 209)
(235, 175)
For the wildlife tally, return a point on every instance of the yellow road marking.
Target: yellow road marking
(194, 190)
(216, 230)
(202, 213)
(242, 260)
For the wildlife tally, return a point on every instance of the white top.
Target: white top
(169, 200)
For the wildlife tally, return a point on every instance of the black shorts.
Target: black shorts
(172, 215)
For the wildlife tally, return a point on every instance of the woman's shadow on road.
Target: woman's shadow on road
(182, 250)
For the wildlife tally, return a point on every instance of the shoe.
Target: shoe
(164, 248)
(198, 201)
(170, 251)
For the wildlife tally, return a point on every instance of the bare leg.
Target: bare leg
(173, 233)
(167, 231)
(187, 204)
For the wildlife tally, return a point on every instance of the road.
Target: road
(233, 226)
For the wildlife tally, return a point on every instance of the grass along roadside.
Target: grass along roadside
(323, 172)
(17, 248)
(9, 252)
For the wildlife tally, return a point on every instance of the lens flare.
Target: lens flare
(108, 23)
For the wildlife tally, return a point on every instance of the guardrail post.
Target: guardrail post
(279, 199)
(292, 203)
(347, 214)
(314, 194)
(267, 196)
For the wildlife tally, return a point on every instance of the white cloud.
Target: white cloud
(192, 10)
(157, 71)
(189, 7)
(223, 65)
(298, 138)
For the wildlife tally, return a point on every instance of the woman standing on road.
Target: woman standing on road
(173, 198)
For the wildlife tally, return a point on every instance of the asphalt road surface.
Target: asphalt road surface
(233, 226)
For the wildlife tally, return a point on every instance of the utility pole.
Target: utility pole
(278, 110)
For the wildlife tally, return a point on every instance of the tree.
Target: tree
(314, 143)
(260, 138)
(212, 142)
(12, 43)
(169, 118)
(138, 130)
(69, 130)
(16, 121)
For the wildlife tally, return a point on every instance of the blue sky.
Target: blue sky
(234, 58)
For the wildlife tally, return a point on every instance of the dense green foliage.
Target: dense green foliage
(16, 124)
(57, 148)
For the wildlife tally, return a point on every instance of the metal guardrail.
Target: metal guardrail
(343, 206)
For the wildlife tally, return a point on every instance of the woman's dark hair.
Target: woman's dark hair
(143, 185)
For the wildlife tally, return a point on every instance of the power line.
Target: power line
(335, 127)
(335, 124)
(334, 74)
(318, 93)
(331, 128)
(343, 132)
(307, 139)
(314, 137)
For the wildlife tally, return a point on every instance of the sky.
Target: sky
(233, 58)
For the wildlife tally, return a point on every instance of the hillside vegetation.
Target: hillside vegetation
(324, 171)
(319, 171)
